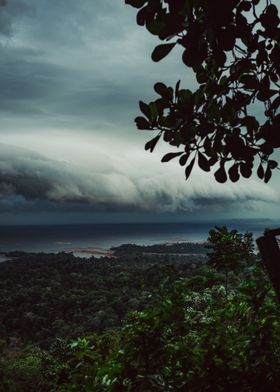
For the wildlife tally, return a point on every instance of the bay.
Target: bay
(100, 237)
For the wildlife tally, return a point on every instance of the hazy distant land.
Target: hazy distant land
(97, 239)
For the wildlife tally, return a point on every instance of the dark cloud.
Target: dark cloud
(74, 71)
(32, 182)
(11, 12)
(76, 62)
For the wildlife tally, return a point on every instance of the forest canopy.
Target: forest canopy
(234, 54)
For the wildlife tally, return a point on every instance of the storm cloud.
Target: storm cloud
(71, 75)
(34, 181)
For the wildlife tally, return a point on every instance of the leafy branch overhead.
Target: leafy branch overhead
(233, 48)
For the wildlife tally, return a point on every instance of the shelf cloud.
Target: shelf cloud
(31, 181)
(71, 75)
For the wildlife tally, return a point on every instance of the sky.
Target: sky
(71, 76)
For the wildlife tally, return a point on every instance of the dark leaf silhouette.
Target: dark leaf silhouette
(162, 90)
(260, 171)
(183, 160)
(246, 169)
(171, 155)
(152, 143)
(161, 51)
(221, 175)
(267, 175)
(203, 162)
(142, 16)
(272, 164)
(189, 168)
(142, 123)
(233, 50)
(136, 3)
(145, 109)
(233, 173)
(153, 110)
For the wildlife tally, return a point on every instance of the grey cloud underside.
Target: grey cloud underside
(74, 62)
(73, 72)
(9, 10)
(78, 62)
(30, 182)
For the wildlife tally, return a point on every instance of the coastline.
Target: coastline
(171, 249)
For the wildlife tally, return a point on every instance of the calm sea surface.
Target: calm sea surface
(102, 236)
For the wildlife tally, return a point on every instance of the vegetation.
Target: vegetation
(234, 55)
(179, 248)
(230, 250)
(48, 296)
(195, 338)
(177, 328)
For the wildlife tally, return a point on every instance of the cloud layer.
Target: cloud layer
(71, 75)
(30, 181)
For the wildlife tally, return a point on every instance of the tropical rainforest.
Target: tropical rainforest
(144, 322)
(141, 323)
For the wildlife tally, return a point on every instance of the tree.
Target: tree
(233, 48)
(230, 250)
(188, 339)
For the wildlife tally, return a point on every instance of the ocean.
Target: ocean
(101, 237)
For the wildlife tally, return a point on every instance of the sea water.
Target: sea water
(101, 237)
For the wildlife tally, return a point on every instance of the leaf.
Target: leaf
(203, 162)
(183, 159)
(214, 111)
(141, 16)
(260, 171)
(220, 57)
(153, 110)
(233, 173)
(186, 96)
(161, 51)
(272, 11)
(167, 136)
(189, 168)
(250, 122)
(245, 6)
(162, 90)
(142, 123)
(201, 77)
(250, 82)
(275, 103)
(213, 160)
(171, 155)
(177, 87)
(268, 174)
(272, 164)
(152, 143)
(136, 3)
(145, 109)
(223, 80)
(246, 169)
(155, 26)
(221, 175)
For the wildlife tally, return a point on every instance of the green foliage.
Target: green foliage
(193, 339)
(23, 370)
(194, 333)
(233, 49)
(92, 365)
(47, 296)
(230, 250)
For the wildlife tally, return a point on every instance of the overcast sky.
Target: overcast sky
(71, 75)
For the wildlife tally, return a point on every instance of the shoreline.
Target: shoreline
(115, 252)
